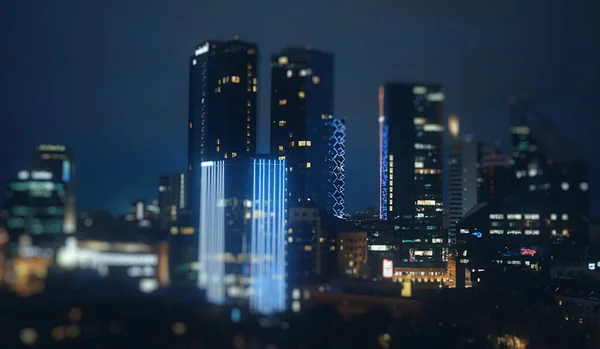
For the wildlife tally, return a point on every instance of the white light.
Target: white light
(202, 49)
(564, 186)
(148, 285)
(212, 231)
(161, 188)
(268, 236)
(296, 294)
(532, 172)
(436, 97)
(296, 306)
(592, 266)
(194, 61)
(41, 175)
(289, 73)
(381, 119)
(388, 268)
(583, 186)
(23, 175)
(419, 90)
(433, 128)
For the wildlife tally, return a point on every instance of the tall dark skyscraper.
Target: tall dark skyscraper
(304, 130)
(223, 120)
(410, 149)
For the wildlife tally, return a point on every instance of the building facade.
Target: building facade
(223, 119)
(58, 160)
(410, 152)
(304, 130)
(171, 198)
(243, 211)
(462, 177)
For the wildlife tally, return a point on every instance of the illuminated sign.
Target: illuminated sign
(592, 266)
(41, 175)
(388, 268)
(202, 49)
(528, 251)
(477, 234)
(72, 256)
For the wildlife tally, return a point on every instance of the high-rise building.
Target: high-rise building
(462, 176)
(36, 204)
(494, 174)
(223, 119)
(304, 130)
(410, 152)
(171, 198)
(242, 233)
(58, 160)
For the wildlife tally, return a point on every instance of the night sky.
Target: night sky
(110, 78)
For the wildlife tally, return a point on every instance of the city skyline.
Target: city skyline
(144, 121)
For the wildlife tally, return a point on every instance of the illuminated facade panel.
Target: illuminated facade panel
(338, 157)
(268, 236)
(212, 231)
(242, 233)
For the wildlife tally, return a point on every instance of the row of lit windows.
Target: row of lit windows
(427, 171)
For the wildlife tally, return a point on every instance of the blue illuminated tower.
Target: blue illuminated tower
(242, 233)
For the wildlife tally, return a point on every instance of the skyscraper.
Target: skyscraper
(410, 151)
(462, 176)
(242, 233)
(58, 160)
(304, 130)
(223, 108)
(171, 198)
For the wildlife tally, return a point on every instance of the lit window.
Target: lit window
(281, 148)
(283, 60)
(194, 62)
(496, 216)
(233, 155)
(249, 66)
(308, 165)
(553, 216)
(514, 216)
(292, 143)
(282, 101)
(301, 143)
(290, 73)
(253, 88)
(316, 79)
(564, 186)
(308, 143)
(282, 158)
(282, 122)
(301, 94)
(190, 125)
(218, 141)
(305, 72)
(565, 217)
(217, 149)
(254, 81)
(583, 186)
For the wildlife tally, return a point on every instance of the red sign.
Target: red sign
(388, 268)
(528, 252)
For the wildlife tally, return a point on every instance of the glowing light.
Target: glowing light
(388, 268)
(454, 125)
(338, 150)
(202, 49)
(212, 231)
(383, 157)
(23, 175)
(528, 252)
(268, 236)
(41, 175)
(66, 171)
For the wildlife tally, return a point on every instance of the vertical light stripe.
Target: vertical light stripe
(268, 234)
(212, 231)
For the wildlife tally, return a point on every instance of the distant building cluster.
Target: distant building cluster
(264, 230)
